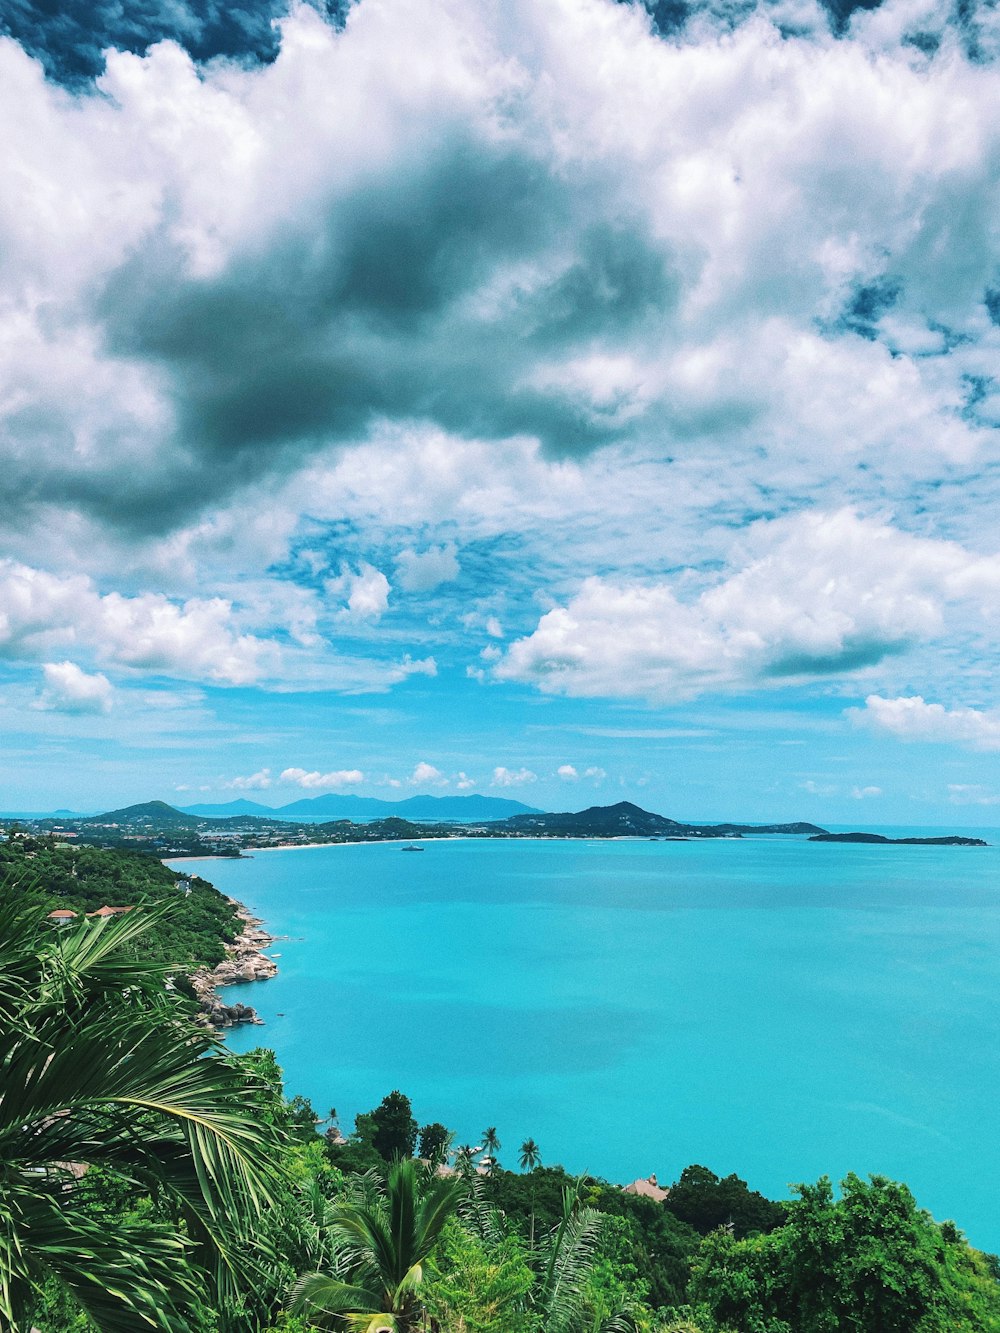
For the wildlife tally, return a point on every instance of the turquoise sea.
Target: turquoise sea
(769, 1006)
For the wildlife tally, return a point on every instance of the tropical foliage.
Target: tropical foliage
(870, 1261)
(102, 1073)
(82, 879)
(386, 1231)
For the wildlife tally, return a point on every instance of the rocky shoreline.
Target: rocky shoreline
(245, 961)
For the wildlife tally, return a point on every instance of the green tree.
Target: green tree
(529, 1159)
(530, 1155)
(387, 1229)
(569, 1277)
(491, 1146)
(395, 1130)
(435, 1141)
(706, 1201)
(480, 1284)
(103, 1069)
(871, 1262)
(463, 1160)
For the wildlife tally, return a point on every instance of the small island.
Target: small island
(953, 841)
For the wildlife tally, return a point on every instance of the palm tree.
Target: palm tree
(463, 1159)
(387, 1231)
(561, 1296)
(102, 1068)
(491, 1146)
(530, 1158)
(530, 1155)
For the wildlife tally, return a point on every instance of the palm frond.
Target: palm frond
(570, 1263)
(319, 1295)
(136, 1277)
(98, 1067)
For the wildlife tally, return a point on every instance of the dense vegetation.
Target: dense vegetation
(82, 879)
(150, 1179)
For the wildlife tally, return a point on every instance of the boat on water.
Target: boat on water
(412, 847)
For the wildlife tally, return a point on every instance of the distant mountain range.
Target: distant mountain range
(450, 809)
(628, 820)
(503, 817)
(332, 817)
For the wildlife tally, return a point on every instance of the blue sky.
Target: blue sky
(563, 401)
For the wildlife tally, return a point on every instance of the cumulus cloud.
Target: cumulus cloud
(568, 773)
(426, 775)
(911, 718)
(507, 777)
(865, 793)
(196, 638)
(522, 288)
(365, 591)
(821, 594)
(555, 226)
(258, 781)
(69, 689)
(341, 777)
(423, 571)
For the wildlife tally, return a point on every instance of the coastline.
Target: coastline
(245, 961)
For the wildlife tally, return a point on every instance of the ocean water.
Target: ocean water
(769, 1006)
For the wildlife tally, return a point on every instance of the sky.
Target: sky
(574, 402)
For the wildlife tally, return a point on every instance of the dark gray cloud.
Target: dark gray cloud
(369, 312)
(221, 274)
(69, 37)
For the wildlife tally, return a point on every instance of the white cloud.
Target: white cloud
(69, 689)
(910, 718)
(426, 775)
(598, 774)
(422, 571)
(258, 781)
(365, 591)
(617, 281)
(506, 777)
(762, 258)
(195, 639)
(568, 773)
(463, 782)
(821, 594)
(342, 777)
(971, 793)
(865, 793)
